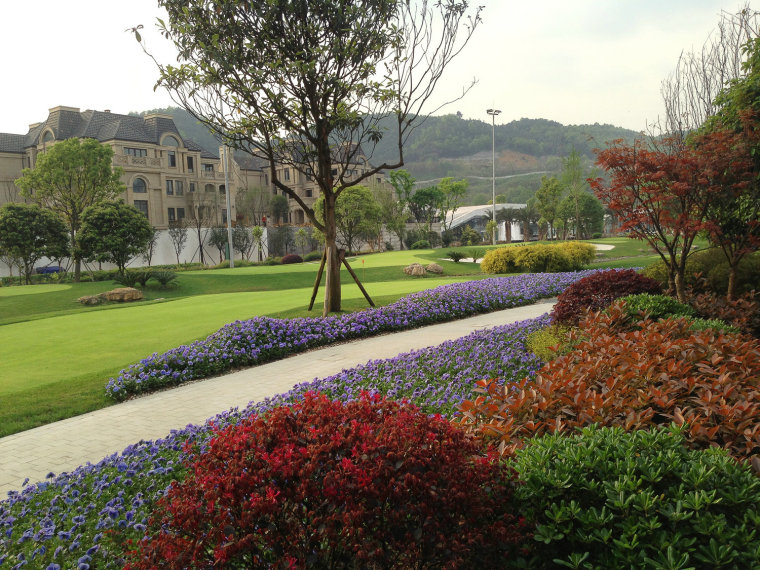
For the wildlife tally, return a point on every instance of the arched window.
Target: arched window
(170, 141)
(139, 186)
(221, 189)
(48, 137)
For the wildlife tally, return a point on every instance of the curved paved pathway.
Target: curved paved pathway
(63, 446)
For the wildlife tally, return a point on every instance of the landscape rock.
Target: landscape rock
(91, 300)
(434, 268)
(124, 294)
(415, 270)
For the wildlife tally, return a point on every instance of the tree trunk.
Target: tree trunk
(332, 266)
(680, 287)
(731, 292)
(77, 258)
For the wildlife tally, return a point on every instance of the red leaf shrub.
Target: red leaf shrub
(650, 373)
(743, 312)
(371, 483)
(291, 258)
(598, 291)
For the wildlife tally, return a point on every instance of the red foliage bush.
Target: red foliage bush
(743, 312)
(652, 373)
(291, 258)
(598, 291)
(371, 483)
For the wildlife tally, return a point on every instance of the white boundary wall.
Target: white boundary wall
(163, 254)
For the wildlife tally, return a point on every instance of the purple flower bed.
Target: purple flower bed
(82, 519)
(258, 340)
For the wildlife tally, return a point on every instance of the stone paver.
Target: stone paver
(63, 446)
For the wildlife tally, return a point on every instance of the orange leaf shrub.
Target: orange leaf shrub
(633, 375)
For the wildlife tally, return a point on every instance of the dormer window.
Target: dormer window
(48, 137)
(170, 141)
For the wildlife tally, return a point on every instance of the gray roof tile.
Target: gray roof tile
(12, 143)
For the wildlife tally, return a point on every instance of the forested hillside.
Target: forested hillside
(451, 146)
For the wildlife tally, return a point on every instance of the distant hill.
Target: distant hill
(448, 145)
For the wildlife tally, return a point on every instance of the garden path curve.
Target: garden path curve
(67, 444)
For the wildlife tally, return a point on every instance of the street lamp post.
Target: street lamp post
(493, 113)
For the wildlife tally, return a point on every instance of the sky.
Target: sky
(571, 61)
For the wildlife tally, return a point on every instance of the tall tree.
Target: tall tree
(178, 236)
(453, 195)
(690, 93)
(425, 205)
(242, 241)
(114, 232)
(150, 248)
(357, 216)
(548, 198)
(68, 178)
(278, 206)
(574, 179)
(252, 202)
(527, 216)
(306, 83)
(393, 213)
(584, 215)
(403, 185)
(28, 233)
(201, 213)
(218, 238)
(257, 233)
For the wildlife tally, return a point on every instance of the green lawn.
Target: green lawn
(57, 355)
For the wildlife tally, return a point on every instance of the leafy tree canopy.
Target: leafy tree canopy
(70, 176)
(29, 233)
(114, 232)
(357, 215)
(306, 83)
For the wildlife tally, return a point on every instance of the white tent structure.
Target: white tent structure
(472, 215)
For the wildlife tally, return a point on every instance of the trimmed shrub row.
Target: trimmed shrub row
(539, 258)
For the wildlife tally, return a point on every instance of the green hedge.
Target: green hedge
(611, 499)
(539, 258)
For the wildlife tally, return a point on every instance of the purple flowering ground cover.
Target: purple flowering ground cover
(82, 519)
(262, 339)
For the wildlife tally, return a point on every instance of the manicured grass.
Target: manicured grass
(57, 367)
(44, 301)
(57, 354)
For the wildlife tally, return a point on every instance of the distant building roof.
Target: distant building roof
(465, 214)
(12, 143)
(70, 122)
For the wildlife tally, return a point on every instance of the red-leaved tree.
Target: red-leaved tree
(731, 172)
(660, 194)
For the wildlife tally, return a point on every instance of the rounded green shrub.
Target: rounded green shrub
(538, 258)
(470, 236)
(501, 260)
(313, 256)
(580, 253)
(610, 499)
(549, 342)
(421, 244)
(456, 256)
(699, 324)
(656, 306)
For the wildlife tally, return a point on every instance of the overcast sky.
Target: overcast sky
(572, 61)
